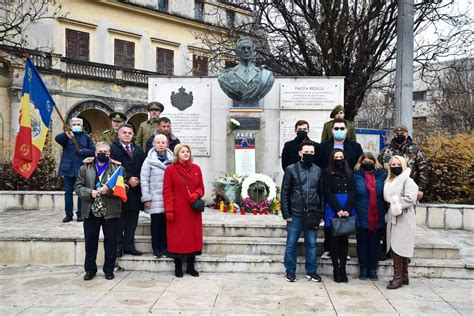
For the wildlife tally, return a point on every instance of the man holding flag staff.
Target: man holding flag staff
(101, 188)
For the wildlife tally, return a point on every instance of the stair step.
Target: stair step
(444, 268)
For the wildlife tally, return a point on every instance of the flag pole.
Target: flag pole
(66, 129)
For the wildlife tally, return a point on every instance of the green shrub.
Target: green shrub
(450, 168)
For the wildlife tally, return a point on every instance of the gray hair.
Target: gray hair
(76, 119)
(102, 144)
(160, 137)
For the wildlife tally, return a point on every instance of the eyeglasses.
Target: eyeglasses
(339, 128)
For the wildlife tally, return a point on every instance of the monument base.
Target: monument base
(245, 104)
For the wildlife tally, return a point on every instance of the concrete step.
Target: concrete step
(276, 246)
(441, 268)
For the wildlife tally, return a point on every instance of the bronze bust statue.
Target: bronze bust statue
(246, 83)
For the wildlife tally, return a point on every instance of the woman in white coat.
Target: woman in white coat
(401, 192)
(151, 180)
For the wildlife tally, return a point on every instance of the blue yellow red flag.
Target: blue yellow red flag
(116, 184)
(36, 107)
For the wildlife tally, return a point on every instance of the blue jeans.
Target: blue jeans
(68, 197)
(294, 229)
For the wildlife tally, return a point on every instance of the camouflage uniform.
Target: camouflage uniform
(144, 132)
(109, 136)
(415, 159)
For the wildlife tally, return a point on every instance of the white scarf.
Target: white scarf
(393, 190)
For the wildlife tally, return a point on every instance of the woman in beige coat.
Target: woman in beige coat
(401, 192)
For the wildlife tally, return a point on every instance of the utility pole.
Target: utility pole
(404, 74)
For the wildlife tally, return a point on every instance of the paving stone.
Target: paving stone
(421, 307)
(62, 253)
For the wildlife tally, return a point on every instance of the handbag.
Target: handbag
(343, 226)
(98, 207)
(198, 205)
(312, 216)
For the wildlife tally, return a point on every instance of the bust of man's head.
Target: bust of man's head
(245, 49)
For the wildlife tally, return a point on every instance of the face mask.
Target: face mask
(367, 166)
(308, 160)
(396, 170)
(400, 139)
(76, 129)
(102, 157)
(301, 134)
(340, 164)
(339, 135)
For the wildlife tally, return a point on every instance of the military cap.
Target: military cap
(337, 109)
(400, 128)
(155, 106)
(117, 116)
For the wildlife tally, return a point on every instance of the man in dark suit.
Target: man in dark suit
(131, 156)
(289, 154)
(352, 152)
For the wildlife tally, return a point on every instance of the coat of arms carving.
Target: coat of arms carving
(182, 100)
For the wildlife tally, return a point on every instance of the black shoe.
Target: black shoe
(89, 276)
(290, 277)
(67, 219)
(178, 267)
(79, 219)
(363, 274)
(133, 252)
(192, 272)
(313, 277)
(373, 275)
(343, 275)
(119, 253)
(157, 254)
(336, 275)
(109, 276)
(383, 256)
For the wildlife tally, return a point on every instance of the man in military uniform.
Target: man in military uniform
(403, 145)
(117, 119)
(338, 113)
(146, 128)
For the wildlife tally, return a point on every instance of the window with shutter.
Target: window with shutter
(77, 45)
(163, 5)
(124, 53)
(200, 66)
(164, 61)
(199, 10)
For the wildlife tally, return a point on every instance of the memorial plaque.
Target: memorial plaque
(188, 106)
(244, 153)
(248, 123)
(321, 94)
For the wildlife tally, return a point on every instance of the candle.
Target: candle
(254, 211)
(231, 207)
(242, 211)
(221, 206)
(266, 211)
(226, 208)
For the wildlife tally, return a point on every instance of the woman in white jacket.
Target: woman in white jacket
(151, 180)
(401, 192)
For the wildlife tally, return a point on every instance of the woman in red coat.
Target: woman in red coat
(184, 225)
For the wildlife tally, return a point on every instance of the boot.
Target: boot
(335, 270)
(405, 279)
(178, 267)
(396, 282)
(190, 268)
(342, 268)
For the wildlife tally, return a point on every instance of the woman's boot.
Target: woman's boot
(342, 268)
(178, 267)
(190, 268)
(405, 279)
(397, 272)
(335, 270)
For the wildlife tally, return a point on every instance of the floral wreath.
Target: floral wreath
(258, 177)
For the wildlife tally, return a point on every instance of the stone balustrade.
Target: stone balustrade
(442, 216)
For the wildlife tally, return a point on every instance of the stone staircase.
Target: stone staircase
(249, 243)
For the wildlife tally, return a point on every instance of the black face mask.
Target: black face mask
(301, 135)
(400, 139)
(340, 164)
(396, 170)
(367, 166)
(102, 157)
(307, 160)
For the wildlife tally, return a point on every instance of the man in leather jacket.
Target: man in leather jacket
(300, 193)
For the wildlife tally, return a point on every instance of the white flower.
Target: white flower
(262, 178)
(235, 122)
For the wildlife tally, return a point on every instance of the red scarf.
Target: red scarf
(373, 209)
(185, 169)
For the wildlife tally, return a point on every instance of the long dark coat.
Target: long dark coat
(132, 168)
(184, 233)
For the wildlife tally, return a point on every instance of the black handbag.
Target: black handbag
(312, 216)
(343, 226)
(198, 205)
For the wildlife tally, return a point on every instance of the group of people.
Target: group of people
(336, 179)
(157, 172)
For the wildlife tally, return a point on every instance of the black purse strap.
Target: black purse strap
(300, 184)
(185, 183)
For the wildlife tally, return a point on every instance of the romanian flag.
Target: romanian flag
(117, 184)
(36, 106)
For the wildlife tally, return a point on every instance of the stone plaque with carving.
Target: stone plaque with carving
(248, 123)
(321, 94)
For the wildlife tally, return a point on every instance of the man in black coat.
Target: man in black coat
(290, 155)
(164, 127)
(131, 157)
(352, 152)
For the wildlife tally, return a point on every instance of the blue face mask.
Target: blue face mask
(76, 129)
(339, 135)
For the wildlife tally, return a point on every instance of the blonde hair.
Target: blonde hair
(370, 156)
(176, 152)
(403, 162)
(160, 137)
